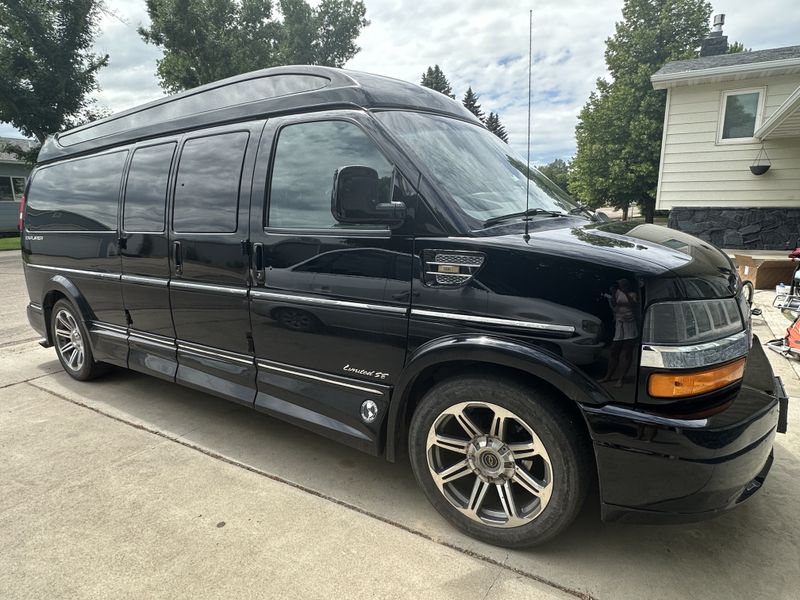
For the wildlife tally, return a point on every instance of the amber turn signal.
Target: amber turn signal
(680, 385)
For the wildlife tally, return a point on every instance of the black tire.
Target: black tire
(88, 367)
(566, 447)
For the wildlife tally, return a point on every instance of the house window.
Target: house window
(6, 191)
(11, 189)
(741, 115)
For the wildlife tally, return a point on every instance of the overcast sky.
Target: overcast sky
(477, 43)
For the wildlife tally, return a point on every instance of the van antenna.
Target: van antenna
(527, 236)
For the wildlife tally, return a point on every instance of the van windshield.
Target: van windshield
(480, 172)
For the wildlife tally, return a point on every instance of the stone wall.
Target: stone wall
(741, 228)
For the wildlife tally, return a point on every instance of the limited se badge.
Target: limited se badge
(365, 372)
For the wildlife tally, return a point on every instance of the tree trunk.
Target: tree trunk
(649, 209)
(625, 213)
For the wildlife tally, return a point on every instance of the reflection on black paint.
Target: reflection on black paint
(600, 240)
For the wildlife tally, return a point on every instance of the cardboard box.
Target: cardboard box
(765, 273)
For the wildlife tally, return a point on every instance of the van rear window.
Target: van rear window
(78, 195)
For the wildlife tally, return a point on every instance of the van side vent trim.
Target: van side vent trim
(450, 268)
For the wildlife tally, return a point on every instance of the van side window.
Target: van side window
(146, 189)
(79, 195)
(207, 190)
(306, 159)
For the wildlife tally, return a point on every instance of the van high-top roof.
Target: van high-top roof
(268, 92)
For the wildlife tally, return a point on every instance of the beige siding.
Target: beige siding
(696, 171)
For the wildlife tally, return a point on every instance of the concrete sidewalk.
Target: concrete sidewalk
(93, 508)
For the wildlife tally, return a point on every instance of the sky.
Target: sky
(477, 43)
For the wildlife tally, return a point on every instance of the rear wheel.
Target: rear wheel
(500, 460)
(71, 341)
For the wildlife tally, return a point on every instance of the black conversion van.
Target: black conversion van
(359, 256)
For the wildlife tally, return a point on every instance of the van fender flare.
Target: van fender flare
(61, 284)
(490, 350)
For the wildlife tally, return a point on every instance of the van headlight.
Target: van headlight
(694, 347)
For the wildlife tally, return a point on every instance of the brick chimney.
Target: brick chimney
(715, 43)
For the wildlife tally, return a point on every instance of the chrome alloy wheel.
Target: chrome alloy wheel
(69, 340)
(489, 464)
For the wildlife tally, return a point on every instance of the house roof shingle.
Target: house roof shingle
(728, 60)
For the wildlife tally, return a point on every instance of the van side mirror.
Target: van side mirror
(356, 198)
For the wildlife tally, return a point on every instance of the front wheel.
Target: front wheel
(500, 460)
(71, 340)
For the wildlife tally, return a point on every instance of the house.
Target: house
(724, 114)
(13, 174)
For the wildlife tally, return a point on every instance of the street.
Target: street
(132, 487)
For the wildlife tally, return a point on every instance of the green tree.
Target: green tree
(619, 129)
(47, 68)
(557, 171)
(737, 47)
(470, 102)
(434, 78)
(208, 40)
(494, 125)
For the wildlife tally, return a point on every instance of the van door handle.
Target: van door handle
(178, 258)
(258, 263)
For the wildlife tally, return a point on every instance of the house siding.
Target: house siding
(697, 172)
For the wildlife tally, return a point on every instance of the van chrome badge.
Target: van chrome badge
(369, 411)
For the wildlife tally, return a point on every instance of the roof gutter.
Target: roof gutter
(769, 67)
(790, 105)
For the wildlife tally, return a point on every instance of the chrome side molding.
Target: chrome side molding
(696, 355)
(435, 314)
(288, 370)
(261, 295)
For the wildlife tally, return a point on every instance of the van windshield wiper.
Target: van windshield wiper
(531, 212)
(582, 209)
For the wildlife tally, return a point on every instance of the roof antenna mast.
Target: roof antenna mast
(527, 236)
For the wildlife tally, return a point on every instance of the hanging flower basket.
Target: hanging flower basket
(762, 163)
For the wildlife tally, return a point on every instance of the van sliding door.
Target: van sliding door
(144, 246)
(209, 261)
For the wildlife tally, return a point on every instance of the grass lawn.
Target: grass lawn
(9, 243)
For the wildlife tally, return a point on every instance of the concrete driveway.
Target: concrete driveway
(132, 487)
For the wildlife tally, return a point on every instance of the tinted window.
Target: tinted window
(307, 157)
(146, 189)
(19, 186)
(6, 191)
(207, 191)
(79, 195)
(740, 116)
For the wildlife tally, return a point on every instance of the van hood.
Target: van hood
(645, 249)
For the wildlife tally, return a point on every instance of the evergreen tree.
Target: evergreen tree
(620, 128)
(737, 47)
(47, 67)
(434, 78)
(556, 171)
(470, 102)
(494, 125)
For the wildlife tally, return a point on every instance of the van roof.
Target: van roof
(275, 91)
